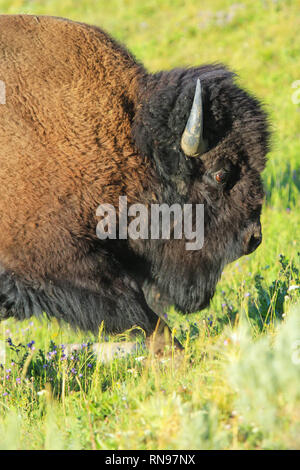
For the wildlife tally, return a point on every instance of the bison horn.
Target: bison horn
(192, 138)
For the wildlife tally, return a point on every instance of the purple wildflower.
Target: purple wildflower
(51, 354)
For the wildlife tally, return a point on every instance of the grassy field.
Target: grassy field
(238, 386)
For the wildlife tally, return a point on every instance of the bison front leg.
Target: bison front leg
(161, 336)
(159, 341)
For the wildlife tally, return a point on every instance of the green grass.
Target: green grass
(238, 386)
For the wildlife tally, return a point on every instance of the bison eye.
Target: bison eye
(220, 176)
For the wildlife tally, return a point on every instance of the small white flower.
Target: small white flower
(235, 338)
(140, 358)
(293, 288)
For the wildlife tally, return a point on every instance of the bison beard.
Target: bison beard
(83, 124)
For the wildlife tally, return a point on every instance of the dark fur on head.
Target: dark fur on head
(236, 130)
(84, 123)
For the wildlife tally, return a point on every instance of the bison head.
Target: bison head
(207, 140)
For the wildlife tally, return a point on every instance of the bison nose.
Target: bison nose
(252, 238)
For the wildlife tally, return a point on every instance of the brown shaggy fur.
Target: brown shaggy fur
(59, 160)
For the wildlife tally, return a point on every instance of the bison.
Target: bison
(84, 123)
